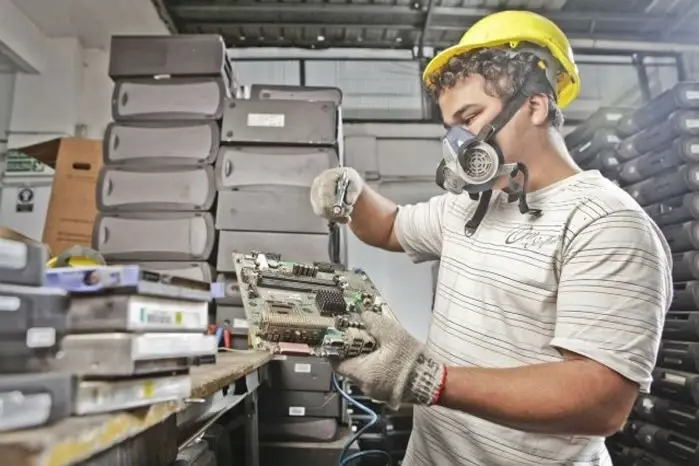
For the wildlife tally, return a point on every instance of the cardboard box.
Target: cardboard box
(72, 206)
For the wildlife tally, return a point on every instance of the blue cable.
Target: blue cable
(344, 459)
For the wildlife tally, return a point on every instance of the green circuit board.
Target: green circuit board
(306, 309)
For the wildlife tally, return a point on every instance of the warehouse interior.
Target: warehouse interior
(80, 186)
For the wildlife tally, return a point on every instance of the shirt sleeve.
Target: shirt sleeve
(615, 288)
(419, 228)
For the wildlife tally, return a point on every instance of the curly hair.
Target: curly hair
(504, 71)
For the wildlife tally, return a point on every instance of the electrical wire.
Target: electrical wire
(344, 459)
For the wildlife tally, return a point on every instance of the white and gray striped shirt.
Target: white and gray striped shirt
(592, 275)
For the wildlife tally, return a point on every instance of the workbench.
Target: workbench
(122, 438)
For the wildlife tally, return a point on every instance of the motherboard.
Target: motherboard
(306, 309)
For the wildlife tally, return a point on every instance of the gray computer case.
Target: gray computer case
(161, 236)
(182, 55)
(169, 99)
(154, 189)
(280, 122)
(238, 166)
(268, 208)
(161, 142)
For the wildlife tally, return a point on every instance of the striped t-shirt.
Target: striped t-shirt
(592, 275)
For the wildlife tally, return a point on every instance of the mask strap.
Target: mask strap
(528, 88)
(479, 215)
(523, 206)
(440, 178)
(508, 111)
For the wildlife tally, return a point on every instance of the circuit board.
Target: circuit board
(306, 309)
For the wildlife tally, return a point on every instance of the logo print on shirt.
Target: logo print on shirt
(530, 239)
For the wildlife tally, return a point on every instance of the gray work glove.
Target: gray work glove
(323, 193)
(398, 371)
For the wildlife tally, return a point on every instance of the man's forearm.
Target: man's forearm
(372, 220)
(567, 397)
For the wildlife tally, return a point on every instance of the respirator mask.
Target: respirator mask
(472, 163)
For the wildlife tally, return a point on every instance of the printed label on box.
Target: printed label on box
(267, 120)
(302, 368)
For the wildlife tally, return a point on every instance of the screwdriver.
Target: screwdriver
(340, 193)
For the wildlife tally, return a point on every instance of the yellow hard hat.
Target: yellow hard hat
(77, 256)
(510, 28)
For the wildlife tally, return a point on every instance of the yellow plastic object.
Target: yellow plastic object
(77, 256)
(509, 29)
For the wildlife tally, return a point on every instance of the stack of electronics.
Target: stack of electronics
(157, 187)
(93, 340)
(660, 170)
(273, 146)
(32, 320)
(299, 402)
(383, 432)
(305, 314)
(593, 143)
(134, 334)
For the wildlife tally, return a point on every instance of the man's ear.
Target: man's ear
(538, 109)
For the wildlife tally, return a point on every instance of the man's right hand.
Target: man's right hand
(324, 193)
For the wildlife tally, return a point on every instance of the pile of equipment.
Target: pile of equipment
(273, 145)
(157, 189)
(593, 143)
(94, 339)
(659, 168)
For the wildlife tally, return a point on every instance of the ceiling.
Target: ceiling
(92, 21)
(430, 23)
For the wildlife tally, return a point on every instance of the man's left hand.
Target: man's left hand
(398, 371)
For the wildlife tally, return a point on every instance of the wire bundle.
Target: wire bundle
(346, 458)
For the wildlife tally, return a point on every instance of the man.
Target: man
(552, 293)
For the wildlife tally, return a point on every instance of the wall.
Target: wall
(63, 44)
(379, 90)
(95, 111)
(44, 105)
(7, 89)
(407, 287)
(73, 94)
(71, 97)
